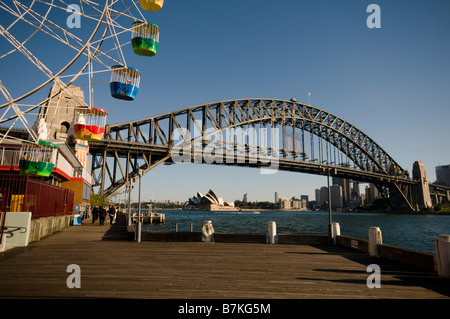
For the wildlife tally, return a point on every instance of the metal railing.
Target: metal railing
(191, 226)
(23, 193)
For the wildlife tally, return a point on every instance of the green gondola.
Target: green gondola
(36, 159)
(145, 38)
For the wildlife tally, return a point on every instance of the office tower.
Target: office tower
(317, 192)
(355, 190)
(346, 188)
(336, 196)
(323, 195)
(443, 174)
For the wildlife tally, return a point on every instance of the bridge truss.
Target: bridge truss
(266, 133)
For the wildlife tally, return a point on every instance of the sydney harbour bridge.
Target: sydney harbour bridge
(263, 133)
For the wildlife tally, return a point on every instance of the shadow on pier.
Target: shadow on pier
(113, 267)
(401, 274)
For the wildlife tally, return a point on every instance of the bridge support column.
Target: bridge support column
(422, 193)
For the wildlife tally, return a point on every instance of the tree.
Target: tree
(99, 200)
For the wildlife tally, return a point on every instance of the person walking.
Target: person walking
(112, 214)
(102, 216)
(115, 214)
(95, 213)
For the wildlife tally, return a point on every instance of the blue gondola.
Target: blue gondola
(124, 83)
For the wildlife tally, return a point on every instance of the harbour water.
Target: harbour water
(409, 231)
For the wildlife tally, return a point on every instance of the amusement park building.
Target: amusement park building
(68, 155)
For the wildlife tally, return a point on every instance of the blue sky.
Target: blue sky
(392, 83)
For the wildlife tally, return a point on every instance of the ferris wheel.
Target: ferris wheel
(66, 43)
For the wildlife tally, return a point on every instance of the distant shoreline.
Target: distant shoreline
(300, 210)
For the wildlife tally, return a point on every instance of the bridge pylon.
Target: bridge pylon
(422, 189)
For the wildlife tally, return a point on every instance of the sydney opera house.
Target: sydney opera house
(210, 201)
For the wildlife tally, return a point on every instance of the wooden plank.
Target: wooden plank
(126, 269)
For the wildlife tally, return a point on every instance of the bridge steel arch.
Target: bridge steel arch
(130, 148)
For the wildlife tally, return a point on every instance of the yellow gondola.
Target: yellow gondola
(151, 5)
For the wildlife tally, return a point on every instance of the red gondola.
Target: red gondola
(90, 123)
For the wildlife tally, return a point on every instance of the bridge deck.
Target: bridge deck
(116, 268)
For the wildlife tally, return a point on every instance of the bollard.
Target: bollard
(335, 231)
(442, 246)
(272, 229)
(374, 240)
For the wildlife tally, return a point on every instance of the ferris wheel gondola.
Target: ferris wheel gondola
(151, 5)
(90, 123)
(36, 158)
(124, 82)
(145, 38)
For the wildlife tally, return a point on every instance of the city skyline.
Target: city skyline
(362, 189)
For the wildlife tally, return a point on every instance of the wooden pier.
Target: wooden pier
(150, 218)
(112, 267)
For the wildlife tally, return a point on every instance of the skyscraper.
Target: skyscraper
(372, 193)
(277, 197)
(355, 190)
(443, 174)
(323, 195)
(336, 196)
(317, 192)
(346, 188)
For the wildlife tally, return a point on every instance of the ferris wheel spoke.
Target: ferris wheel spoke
(11, 11)
(123, 12)
(110, 23)
(39, 64)
(19, 17)
(68, 64)
(99, 50)
(21, 48)
(49, 27)
(17, 110)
